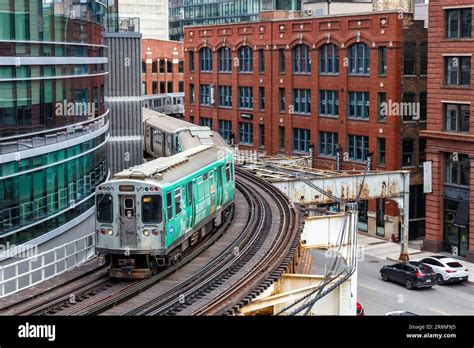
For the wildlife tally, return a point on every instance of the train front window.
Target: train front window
(105, 213)
(128, 207)
(152, 209)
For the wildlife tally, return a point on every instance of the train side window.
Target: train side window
(227, 172)
(177, 201)
(169, 206)
(158, 136)
(200, 188)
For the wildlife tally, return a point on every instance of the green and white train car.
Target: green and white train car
(149, 214)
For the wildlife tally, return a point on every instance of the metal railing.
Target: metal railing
(33, 140)
(37, 268)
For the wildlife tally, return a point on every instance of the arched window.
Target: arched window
(329, 59)
(224, 60)
(245, 59)
(205, 58)
(359, 59)
(301, 59)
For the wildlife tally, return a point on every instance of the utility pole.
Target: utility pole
(406, 216)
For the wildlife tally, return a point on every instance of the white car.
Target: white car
(448, 270)
(401, 314)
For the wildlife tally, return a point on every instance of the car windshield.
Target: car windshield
(454, 264)
(104, 208)
(152, 209)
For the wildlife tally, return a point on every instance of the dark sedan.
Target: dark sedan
(412, 274)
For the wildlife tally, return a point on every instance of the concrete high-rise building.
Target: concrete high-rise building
(152, 14)
(335, 7)
(325, 7)
(53, 120)
(394, 5)
(208, 12)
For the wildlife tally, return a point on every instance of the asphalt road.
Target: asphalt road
(379, 297)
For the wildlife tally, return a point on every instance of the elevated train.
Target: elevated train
(171, 104)
(166, 136)
(148, 215)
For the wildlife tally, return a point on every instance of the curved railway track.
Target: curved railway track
(261, 251)
(264, 251)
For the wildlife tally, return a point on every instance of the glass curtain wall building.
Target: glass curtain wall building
(53, 122)
(196, 12)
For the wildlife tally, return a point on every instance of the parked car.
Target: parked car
(360, 310)
(401, 314)
(448, 270)
(412, 274)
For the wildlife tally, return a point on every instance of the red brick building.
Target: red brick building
(162, 66)
(284, 86)
(450, 131)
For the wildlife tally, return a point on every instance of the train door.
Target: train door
(169, 144)
(190, 204)
(150, 132)
(212, 191)
(219, 188)
(128, 221)
(167, 105)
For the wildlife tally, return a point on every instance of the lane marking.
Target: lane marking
(435, 310)
(368, 287)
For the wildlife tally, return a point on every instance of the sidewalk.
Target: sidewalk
(384, 249)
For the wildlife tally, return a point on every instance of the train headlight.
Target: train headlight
(146, 233)
(110, 232)
(154, 232)
(102, 231)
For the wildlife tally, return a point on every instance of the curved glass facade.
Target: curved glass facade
(53, 121)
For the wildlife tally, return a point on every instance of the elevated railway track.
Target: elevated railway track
(237, 262)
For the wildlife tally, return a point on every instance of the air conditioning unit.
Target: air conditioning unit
(308, 12)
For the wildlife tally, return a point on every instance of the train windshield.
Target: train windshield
(104, 208)
(152, 209)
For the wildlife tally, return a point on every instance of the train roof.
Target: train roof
(167, 123)
(162, 95)
(170, 169)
